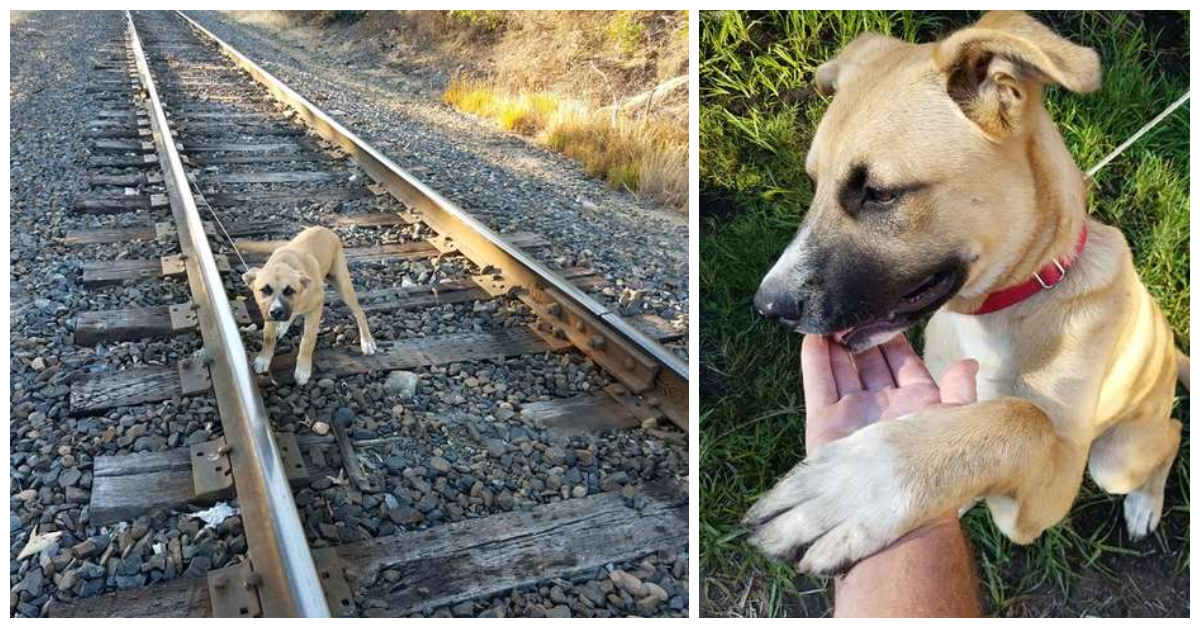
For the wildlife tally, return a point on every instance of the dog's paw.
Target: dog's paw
(262, 364)
(1142, 513)
(368, 346)
(302, 375)
(837, 507)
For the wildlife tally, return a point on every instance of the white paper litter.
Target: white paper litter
(215, 515)
(38, 542)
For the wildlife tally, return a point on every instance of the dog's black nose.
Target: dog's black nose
(277, 314)
(778, 304)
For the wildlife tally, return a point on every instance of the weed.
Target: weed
(481, 21)
(625, 31)
(643, 155)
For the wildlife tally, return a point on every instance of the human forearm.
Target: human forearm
(927, 573)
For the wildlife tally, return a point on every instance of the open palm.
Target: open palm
(844, 392)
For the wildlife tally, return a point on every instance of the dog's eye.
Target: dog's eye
(267, 291)
(287, 292)
(880, 197)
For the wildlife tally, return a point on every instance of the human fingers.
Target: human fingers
(873, 370)
(819, 388)
(958, 385)
(845, 375)
(907, 367)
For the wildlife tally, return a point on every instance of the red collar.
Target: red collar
(1044, 279)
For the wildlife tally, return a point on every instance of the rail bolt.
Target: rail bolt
(555, 310)
(254, 580)
(597, 342)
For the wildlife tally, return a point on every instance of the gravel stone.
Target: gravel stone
(628, 583)
(439, 464)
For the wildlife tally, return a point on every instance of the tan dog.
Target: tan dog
(940, 180)
(292, 284)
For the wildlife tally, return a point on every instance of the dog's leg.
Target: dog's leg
(262, 363)
(340, 273)
(860, 493)
(1134, 458)
(308, 344)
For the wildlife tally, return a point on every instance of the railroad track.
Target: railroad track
(194, 144)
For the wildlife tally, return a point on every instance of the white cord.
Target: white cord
(1136, 136)
(217, 218)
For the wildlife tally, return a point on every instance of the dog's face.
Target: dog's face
(924, 180)
(276, 287)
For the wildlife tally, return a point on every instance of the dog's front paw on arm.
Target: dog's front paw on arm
(844, 503)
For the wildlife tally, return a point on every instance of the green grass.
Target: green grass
(483, 21)
(625, 31)
(757, 115)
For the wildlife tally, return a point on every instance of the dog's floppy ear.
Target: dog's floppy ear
(250, 275)
(838, 71)
(995, 68)
(305, 281)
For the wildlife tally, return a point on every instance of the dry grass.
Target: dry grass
(664, 175)
(273, 20)
(645, 156)
(594, 56)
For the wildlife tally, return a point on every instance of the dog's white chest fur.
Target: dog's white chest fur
(991, 347)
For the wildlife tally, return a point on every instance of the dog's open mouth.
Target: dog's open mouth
(926, 297)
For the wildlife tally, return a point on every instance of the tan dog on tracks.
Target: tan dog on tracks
(292, 284)
(942, 184)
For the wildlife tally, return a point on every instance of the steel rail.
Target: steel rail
(635, 359)
(286, 577)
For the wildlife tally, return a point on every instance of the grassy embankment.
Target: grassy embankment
(628, 143)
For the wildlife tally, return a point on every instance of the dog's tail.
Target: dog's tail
(250, 246)
(1184, 368)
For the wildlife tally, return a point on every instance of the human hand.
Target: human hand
(843, 393)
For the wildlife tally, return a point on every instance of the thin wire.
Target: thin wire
(217, 218)
(1136, 136)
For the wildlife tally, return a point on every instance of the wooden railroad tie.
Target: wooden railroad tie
(507, 550)
(95, 327)
(106, 272)
(146, 384)
(151, 231)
